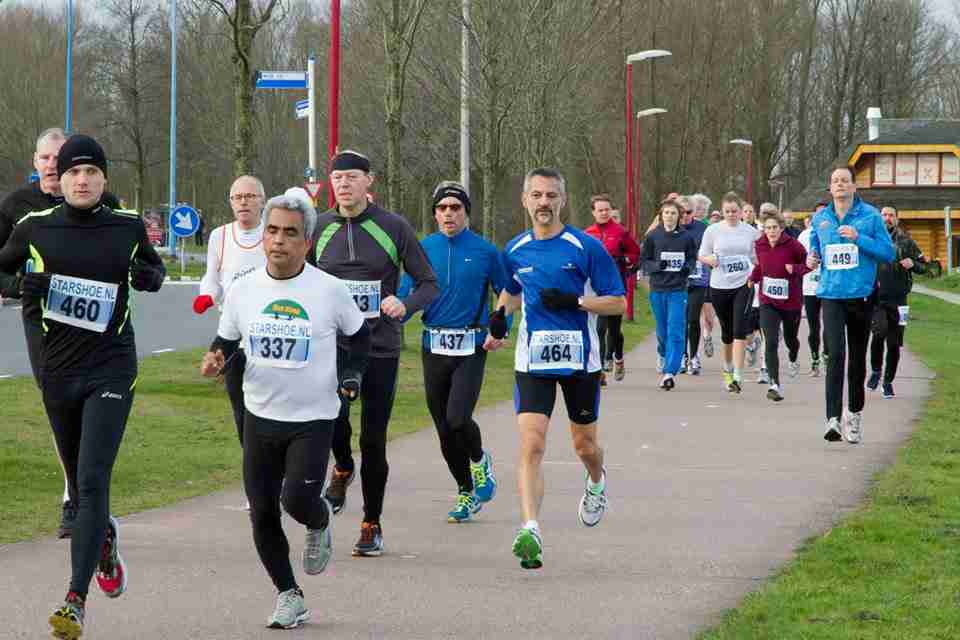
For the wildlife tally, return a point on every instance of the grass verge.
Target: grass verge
(892, 569)
(180, 440)
(950, 283)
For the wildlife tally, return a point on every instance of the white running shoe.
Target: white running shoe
(793, 369)
(774, 393)
(592, 505)
(319, 546)
(708, 345)
(291, 611)
(763, 377)
(832, 433)
(661, 361)
(695, 366)
(854, 427)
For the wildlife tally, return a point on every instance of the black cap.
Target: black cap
(347, 160)
(455, 189)
(80, 149)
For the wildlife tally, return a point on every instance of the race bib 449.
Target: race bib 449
(841, 256)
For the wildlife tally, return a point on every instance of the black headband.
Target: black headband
(347, 160)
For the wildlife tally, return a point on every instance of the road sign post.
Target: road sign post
(184, 221)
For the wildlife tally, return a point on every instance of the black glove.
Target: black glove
(10, 285)
(350, 385)
(556, 300)
(498, 323)
(145, 277)
(36, 284)
(663, 265)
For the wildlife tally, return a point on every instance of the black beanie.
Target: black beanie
(455, 189)
(80, 149)
(347, 160)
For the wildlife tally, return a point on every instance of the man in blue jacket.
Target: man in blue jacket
(453, 351)
(848, 238)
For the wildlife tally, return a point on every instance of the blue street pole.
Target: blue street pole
(173, 119)
(68, 118)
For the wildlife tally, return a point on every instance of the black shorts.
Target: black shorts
(538, 394)
(731, 307)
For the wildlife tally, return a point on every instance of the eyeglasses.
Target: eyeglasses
(240, 197)
(452, 207)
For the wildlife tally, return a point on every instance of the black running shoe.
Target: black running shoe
(888, 390)
(336, 493)
(874, 381)
(67, 518)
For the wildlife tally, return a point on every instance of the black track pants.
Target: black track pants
(88, 417)
(893, 341)
(233, 381)
(811, 305)
(377, 393)
(452, 385)
(846, 324)
(771, 318)
(696, 296)
(284, 463)
(609, 329)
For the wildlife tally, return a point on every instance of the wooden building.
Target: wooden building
(913, 165)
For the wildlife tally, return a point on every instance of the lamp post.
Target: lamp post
(635, 226)
(749, 145)
(333, 96)
(68, 117)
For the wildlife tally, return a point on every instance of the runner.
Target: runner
(850, 236)
(234, 250)
(452, 347)
(668, 255)
(811, 303)
(563, 279)
(755, 351)
(624, 251)
(40, 196)
(288, 315)
(748, 215)
(86, 257)
(894, 281)
(778, 275)
(365, 246)
(715, 217)
(699, 308)
(728, 248)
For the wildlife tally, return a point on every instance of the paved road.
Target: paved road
(163, 320)
(710, 494)
(936, 293)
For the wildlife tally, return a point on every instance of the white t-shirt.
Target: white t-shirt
(734, 246)
(232, 252)
(811, 279)
(289, 331)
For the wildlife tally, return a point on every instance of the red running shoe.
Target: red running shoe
(111, 572)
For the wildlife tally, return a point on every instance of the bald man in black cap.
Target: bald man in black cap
(86, 257)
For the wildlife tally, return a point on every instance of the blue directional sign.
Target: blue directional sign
(184, 221)
(303, 109)
(281, 80)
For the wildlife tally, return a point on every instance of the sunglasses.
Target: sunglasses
(452, 207)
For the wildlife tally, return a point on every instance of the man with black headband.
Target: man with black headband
(365, 246)
(452, 347)
(86, 256)
(39, 196)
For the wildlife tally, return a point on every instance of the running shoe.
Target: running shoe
(484, 482)
(854, 427)
(291, 611)
(467, 505)
(660, 364)
(727, 379)
(528, 546)
(832, 433)
(683, 366)
(318, 547)
(370, 544)
(336, 493)
(592, 505)
(667, 382)
(708, 345)
(774, 393)
(815, 368)
(67, 620)
(734, 386)
(603, 379)
(67, 518)
(764, 376)
(619, 370)
(874, 381)
(793, 369)
(888, 390)
(695, 366)
(111, 571)
(607, 365)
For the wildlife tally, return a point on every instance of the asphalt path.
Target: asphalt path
(163, 321)
(709, 495)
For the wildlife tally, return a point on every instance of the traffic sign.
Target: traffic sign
(303, 109)
(281, 80)
(313, 188)
(184, 221)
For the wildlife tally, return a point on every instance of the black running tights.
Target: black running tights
(610, 332)
(771, 319)
(696, 296)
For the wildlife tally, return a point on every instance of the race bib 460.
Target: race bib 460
(87, 304)
(556, 350)
(366, 293)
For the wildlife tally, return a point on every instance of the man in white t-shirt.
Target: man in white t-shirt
(288, 315)
(233, 251)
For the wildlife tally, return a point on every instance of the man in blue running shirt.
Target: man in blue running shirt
(562, 279)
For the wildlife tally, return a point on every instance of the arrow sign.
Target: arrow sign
(281, 80)
(184, 221)
(303, 109)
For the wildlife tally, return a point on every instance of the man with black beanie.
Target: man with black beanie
(39, 196)
(366, 246)
(86, 257)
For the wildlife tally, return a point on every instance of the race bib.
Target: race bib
(279, 342)
(556, 350)
(87, 304)
(776, 288)
(453, 342)
(366, 293)
(697, 271)
(810, 283)
(734, 264)
(674, 260)
(841, 256)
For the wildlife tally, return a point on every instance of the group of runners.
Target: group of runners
(311, 307)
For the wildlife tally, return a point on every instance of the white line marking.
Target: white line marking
(195, 283)
(162, 350)
(5, 376)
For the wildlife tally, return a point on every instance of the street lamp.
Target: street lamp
(749, 145)
(635, 222)
(333, 97)
(640, 56)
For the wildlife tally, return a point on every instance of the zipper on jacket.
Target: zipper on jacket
(449, 259)
(350, 240)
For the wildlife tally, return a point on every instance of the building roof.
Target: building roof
(930, 132)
